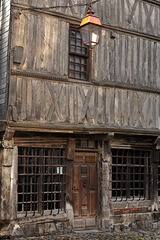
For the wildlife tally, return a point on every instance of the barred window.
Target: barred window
(159, 175)
(78, 56)
(41, 180)
(131, 174)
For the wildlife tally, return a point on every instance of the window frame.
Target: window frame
(158, 180)
(119, 195)
(51, 167)
(87, 56)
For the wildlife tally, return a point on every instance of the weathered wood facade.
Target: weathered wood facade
(42, 108)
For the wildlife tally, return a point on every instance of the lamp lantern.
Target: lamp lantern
(90, 29)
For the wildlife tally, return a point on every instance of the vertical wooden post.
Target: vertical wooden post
(106, 162)
(9, 183)
(69, 173)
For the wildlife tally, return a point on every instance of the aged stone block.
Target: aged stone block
(132, 204)
(90, 222)
(52, 227)
(106, 224)
(78, 223)
(145, 203)
(121, 205)
(41, 229)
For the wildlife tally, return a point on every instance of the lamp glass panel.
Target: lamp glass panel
(85, 33)
(95, 32)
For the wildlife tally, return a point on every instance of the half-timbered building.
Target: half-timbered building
(79, 129)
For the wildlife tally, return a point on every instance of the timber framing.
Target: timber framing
(65, 79)
(78, 154)
(74, 20)
(155, 2)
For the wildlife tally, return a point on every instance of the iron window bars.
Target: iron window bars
(78, 56)
(41, 180)
(131, 174)
(159, 174)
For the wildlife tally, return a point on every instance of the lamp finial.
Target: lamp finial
(90, 12)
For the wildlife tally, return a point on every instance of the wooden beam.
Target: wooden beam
(157, 142)
(73, 128)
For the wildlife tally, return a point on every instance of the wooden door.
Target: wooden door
(85, 190)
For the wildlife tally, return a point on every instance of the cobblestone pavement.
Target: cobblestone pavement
(99, 236)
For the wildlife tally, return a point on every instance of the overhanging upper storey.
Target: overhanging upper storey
(116, 87)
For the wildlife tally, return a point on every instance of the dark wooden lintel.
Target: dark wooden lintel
(157, 142)
(81, 129)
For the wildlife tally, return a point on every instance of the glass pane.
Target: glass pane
(85, 36)
(78, 75)
(79, 42)
(78, 67)
(73, 48)
(83, 61)
(94, 37)
(84, 51)
(78, 50)
(71, 66)
(71, 74)
(73, 33)
(73, 41)
(83, 76)
(83, 68)
(78, 35)
(95, 31)
(71, 59)
(77, 59)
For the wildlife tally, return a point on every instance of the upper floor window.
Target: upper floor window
(78, 56)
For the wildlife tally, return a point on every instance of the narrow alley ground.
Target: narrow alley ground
(99, 236)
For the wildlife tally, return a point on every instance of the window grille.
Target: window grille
(78, 56)
(41, 180)
(131, 174)
(159, 175)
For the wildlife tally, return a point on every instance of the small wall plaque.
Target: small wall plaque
(18, 54)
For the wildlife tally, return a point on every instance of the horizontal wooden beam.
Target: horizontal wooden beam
(154, 2)
(75, 129)
(65, 79)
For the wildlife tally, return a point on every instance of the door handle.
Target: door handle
(84, 183)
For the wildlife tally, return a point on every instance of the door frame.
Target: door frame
(88, 152)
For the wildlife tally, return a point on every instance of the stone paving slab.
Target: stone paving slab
(99, 236)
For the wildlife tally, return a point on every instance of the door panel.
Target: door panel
(92, 177)
(84, 189)
(92, 203)
(76, 180)
(79, 157)
(76, 205)
(89, 158)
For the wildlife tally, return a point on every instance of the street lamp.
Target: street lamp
(90, 29)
